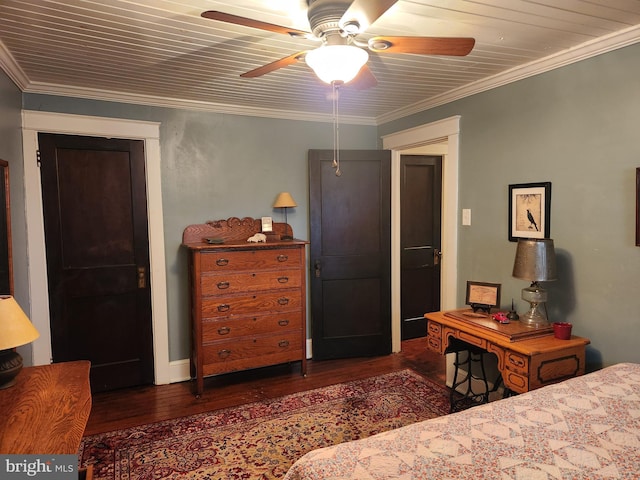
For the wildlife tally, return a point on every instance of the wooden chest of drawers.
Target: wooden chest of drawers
(248, 305)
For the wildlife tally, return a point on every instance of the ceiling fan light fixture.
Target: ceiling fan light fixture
(336, 63)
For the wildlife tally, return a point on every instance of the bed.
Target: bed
(584, 428)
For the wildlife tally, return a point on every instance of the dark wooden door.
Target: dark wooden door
(350, 254)
(95, 220)
(420, 226)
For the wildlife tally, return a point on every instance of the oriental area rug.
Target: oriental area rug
(262, 440)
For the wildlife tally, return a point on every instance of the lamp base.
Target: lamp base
(10, 366)
(534, 318)
(536, 296)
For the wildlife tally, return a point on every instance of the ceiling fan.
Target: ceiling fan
(338, 24)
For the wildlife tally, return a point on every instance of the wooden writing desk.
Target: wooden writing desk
(527, 358)
(46, 411)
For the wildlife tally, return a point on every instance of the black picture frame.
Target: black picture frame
(483, 295)
(638, 207)
(6, 266)
(529, 210)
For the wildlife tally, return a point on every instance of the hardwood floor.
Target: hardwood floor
(136, 406)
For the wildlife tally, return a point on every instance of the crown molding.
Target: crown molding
(584, 51)
(12, 69)
(167, 102)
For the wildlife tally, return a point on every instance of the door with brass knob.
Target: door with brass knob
(95, 219)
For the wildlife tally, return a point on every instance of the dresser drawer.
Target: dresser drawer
(220, 329)
(259, 259)
(261, 302)
(251, 352)
(225, 283)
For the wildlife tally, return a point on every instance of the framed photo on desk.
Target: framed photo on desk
(483, 296)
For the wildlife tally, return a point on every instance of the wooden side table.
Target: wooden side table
(527, 358)
(46, 411)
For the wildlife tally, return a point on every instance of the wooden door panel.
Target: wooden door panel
(97, 226)
(95, 218)
(350, 254)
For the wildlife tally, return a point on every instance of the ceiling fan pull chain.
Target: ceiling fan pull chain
(335, 144)
(336, 133)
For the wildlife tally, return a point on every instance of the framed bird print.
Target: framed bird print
(529, 210)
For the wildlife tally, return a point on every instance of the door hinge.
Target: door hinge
(142, 277)
(38, 159)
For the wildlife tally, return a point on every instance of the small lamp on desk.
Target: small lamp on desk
(536, 262)
(284, 200)
(15, 330)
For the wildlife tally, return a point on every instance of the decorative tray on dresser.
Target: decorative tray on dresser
(248, 300)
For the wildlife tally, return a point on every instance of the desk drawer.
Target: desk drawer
(434, 344)
(516, 363)
(472, 339)
(434, 329)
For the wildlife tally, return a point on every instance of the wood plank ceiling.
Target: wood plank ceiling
(161, 52)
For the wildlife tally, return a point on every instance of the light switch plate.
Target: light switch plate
(466, 216)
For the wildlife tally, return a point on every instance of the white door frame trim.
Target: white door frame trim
(34, 122)
(445, 131)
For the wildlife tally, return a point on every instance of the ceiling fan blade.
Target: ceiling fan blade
(270, 67)
(365, 12)
(455, 46)
(365, 79)
(248, 22)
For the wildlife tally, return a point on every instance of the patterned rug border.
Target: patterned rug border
(137, 447)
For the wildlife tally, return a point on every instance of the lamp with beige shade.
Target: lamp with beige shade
(284, 200)
(15, 330)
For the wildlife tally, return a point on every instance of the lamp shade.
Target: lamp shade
(336, 63)
(284, 200)
(535, 260)
(15, 328)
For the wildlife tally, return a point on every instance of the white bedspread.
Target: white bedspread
(585, 428)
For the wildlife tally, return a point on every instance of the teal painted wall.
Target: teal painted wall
(11, 151)
(216, 166)
(577, 127)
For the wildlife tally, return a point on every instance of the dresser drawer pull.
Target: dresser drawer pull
(283, 279)
(282, 258)
(223, 285)
(222, 262)
(283, 322)
(283, 343)
(283, 301)
(224, 307)
(224, 353)
(224, 330)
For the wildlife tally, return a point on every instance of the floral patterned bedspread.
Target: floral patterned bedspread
(584, 428)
